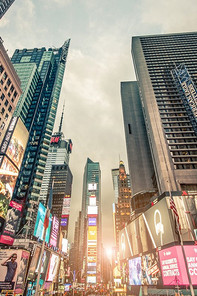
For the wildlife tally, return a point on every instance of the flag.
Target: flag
(174, 209)
(49, 207)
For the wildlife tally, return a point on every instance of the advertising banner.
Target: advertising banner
(53, 267)
(173, 267)
(92, 186)
(91, 279)
(10, 226)
(92, 210)
(13, 268)
(150, 269)
(20, 282)
(64, 245)
(54, 232)
(135, 274)
(44, 266)
(34, 262)
(191, 255)
(92, 200)
(39, 226)
(92, 221)
(64, 222)
(159, 224)
(92, 233)
(66, 205)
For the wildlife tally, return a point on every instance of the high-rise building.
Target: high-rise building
(91, 234)
(122, 208)
(10, 90)
(166, 67)
(4, 5)
(41, 72)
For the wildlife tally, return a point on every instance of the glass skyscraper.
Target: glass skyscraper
(4, 5)
(41, 72)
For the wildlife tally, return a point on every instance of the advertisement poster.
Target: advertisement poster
(135, 274)
(11, 268)
(53, 267)
(173, 267)
(159, 224)
(20, 282)
(64, 222)
(44, 264)
(92, 221)
(191, 255)
(92, 233)
(54, 232)
(150, 269)
(10, 225)
(34, 261)
(39, 226)
(66, 205)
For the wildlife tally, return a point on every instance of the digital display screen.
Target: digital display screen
(135, 273)
(39, 226)
(92, 221)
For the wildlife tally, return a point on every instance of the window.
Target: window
(6, 103)
(10, 108)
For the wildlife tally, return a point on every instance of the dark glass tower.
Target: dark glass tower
(4, 5)
(41, 72)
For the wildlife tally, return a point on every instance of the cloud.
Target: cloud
(172, 16)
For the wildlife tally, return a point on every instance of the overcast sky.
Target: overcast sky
(99, 59)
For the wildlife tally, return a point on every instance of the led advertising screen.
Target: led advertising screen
(135, 274)
(54, 232)
(92, 186)
(92, 210)
(39, 226)
(92, 200)
(159, 224)
(150, 269)
(191, 255)
(66, 205)
(91, 279)
(64, 222)
(44, 264)
(53, 267)
(13, 268)
(34, 262)
(173, 267)
(92, 233)
(64, 245)
(11, 222)
(92, 221)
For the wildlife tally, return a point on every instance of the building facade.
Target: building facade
(10, 90)
(166, 67)
(41, 73)
(4, 5)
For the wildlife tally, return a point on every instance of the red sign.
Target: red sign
(55, 140)
(191, 255)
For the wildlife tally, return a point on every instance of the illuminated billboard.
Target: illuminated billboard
(66, 205)
(92, 186)
(64, 222)
(173, 267)
(39, 226)
(54, 232)
(14, 265)
(34, 261)
(92, 200)
(44, 265)
(92, 210)
(64, 245)
(191, 255)
(91, 279)
(11, 223)
(92, 221)
(135, 273)
(53, 267)
(150, 269)
(92, 233)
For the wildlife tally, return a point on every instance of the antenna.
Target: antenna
(61, 120)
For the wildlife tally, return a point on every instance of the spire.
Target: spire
(61, 120)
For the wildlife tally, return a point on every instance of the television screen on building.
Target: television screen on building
(135, 274)
(39, 226)
(53, 267)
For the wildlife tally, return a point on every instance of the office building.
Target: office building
(91, 234)
(4, 5)
(10, 90)
(41, 72)
(166, 67)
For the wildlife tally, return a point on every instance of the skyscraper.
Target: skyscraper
(166, 67)
(4, 5)
(41, 72)
(91, 234)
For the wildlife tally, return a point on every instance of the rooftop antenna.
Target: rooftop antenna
(61, 120)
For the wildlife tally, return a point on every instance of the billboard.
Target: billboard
(92, 221)
(34, 261)
(14, 265)
(92, 233)
(54, 231)
(159, 225)
(92, 186)
(92, 210)
(66, 205)
(191, 257)
(92, 200)
(44, 264)
(150, 269)
(11, 222)
(173, 267)
(39, 226)
(64, 222)
(91, 279)
(53, 267)
(64, 245)
(135, 274)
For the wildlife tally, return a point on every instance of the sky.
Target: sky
(99, 59)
